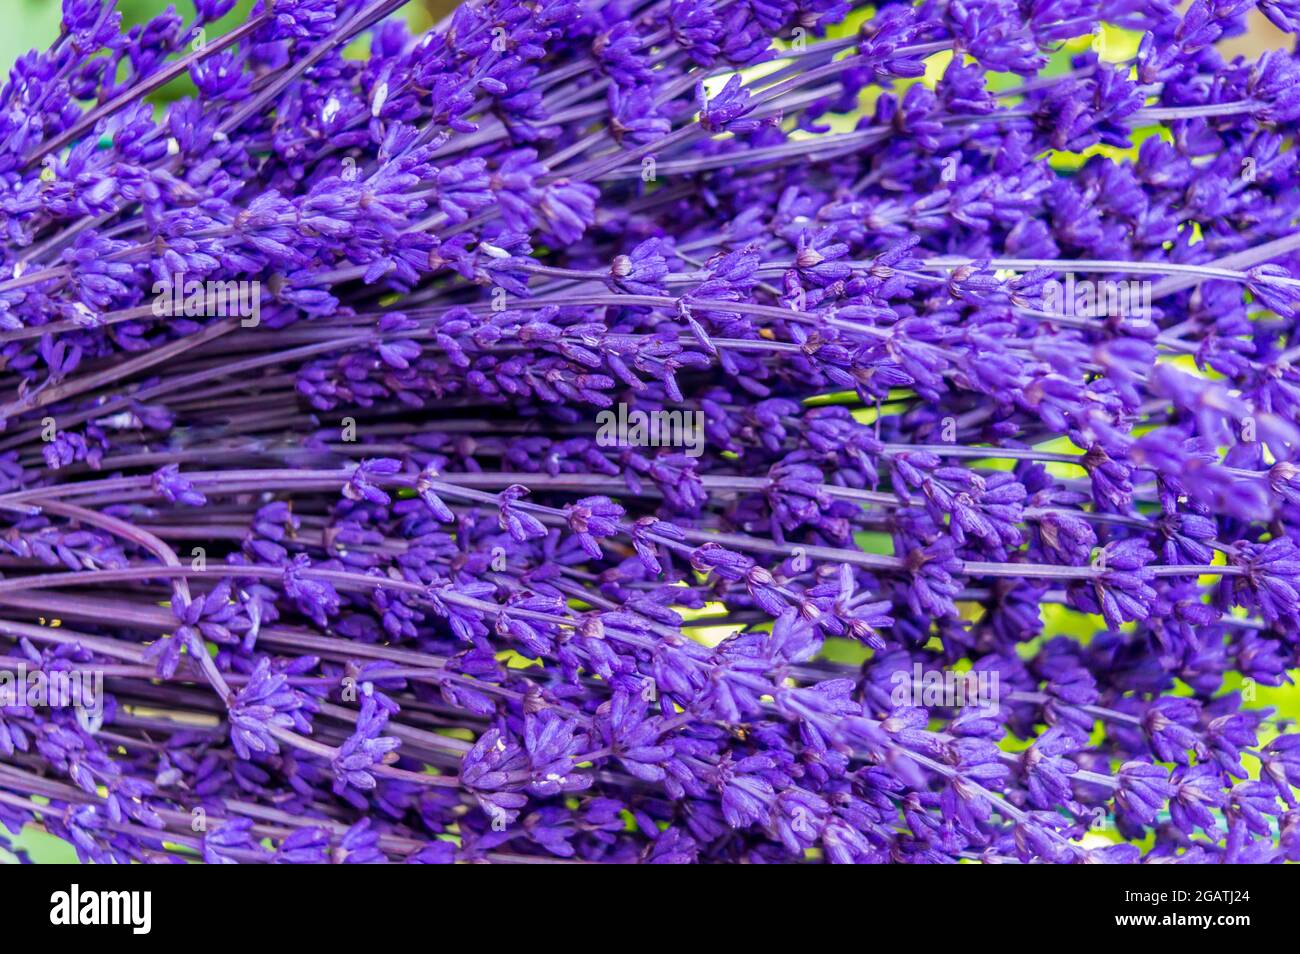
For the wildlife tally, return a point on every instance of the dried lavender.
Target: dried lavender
(603, 431)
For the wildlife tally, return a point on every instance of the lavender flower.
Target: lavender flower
(999, 352)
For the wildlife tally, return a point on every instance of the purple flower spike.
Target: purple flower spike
(712, 431)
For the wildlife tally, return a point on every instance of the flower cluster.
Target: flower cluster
(368, 584)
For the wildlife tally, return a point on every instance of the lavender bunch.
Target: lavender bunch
(609, 430)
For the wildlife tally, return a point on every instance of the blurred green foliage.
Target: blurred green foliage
(25, 25)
